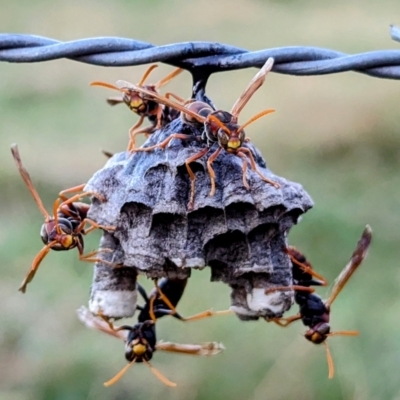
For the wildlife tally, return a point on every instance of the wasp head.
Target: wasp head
(223, 127)
(318, 333)
(141, 342)
(61, 232)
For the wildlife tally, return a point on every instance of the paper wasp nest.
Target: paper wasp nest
(239, 233)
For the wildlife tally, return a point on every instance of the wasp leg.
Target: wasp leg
(206, 314)
(74, 189)
(244, 169)
(110, 324)
(284, 322)
(174, 96)
(131, 143)
(94, 225)
(308, 270)
(163, 297)
(254, 168)
(164, 143)
(159, 117)
(210, 169)
(151, 308)
(90, 257)
(78, 196)
(148, 130)
(191, 174)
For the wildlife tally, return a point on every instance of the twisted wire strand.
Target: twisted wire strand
(200, 58)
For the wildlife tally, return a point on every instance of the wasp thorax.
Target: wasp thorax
(223, 116)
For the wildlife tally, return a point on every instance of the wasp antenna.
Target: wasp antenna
(28, 181)
(344, 333)
(106, 85)
(159, 375)
(55, 216)
(256, 117)
(168, 78)
(331, 367)
(147, 73)
(119, 375)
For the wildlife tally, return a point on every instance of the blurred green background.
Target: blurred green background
(339, 135)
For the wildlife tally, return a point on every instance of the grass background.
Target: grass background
(338, 135)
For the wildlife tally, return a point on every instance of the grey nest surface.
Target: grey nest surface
(239, 233)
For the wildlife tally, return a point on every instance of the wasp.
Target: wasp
(218, 126)
(314, 312)
(65, 229)
(140, 339)
(158, 114)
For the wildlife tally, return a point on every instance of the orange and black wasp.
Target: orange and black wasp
(140, 339)
(314, 312)
(217, 127)
(65, 229)
(158, 114)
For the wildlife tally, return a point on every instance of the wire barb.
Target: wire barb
(200, 58)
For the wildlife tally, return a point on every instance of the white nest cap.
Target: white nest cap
(115, 303)
(260, 304)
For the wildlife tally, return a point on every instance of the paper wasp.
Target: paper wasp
(158, 114)
(65, 229)
(314, 312)
(140, 339)
(217, 126)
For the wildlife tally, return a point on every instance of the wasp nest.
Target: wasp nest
(239, 233)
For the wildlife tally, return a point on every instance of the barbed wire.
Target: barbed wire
(200, 58)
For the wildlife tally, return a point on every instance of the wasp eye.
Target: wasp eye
(44, 235)
(223, 137)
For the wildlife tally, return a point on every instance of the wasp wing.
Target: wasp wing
(252, 87)
(356, 259)
(150, 95)
(200, 349)
(93, 322)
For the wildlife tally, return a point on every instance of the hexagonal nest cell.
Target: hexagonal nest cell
(239, 233)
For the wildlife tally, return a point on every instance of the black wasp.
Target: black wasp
(140, 339)
(314, 312)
